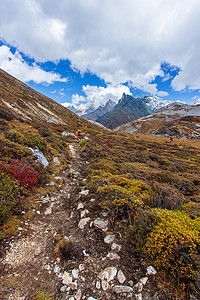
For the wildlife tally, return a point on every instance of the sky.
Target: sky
(83, 51)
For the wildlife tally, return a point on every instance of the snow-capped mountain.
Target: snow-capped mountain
(176, 119)
(100, 111)
(195, 102)
(155, 102)
(129, 109)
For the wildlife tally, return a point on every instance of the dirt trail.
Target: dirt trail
(90, 267)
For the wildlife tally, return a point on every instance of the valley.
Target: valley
(114, 215)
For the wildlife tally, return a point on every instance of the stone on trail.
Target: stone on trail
(84, 192)
(91, 298)
(108, 273)
(122, 289)
(138, 296)
(138, 287)
(83, 222)
(143, 280)
(113, 256)
(67, 278)
(151, 271)
(73, 285)
(63, 288)
(109, 238)
(84, 213)
(105, 285)
(101, 224)
(120, 276)
(48, 211)
(75, 273)
(80, 206)
(57, 269)
(81, 267)
(115, 247)
(98, 285)
(78, 295)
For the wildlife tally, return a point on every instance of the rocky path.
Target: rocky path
(93, 262)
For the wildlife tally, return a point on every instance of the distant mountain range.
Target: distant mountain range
(177, 119)
(99, 112)
(127, 109)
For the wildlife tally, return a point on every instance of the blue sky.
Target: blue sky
(94, 50)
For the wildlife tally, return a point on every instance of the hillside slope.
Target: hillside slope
(88, 213)
(178, 120)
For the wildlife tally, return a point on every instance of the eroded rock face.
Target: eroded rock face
(108, 274)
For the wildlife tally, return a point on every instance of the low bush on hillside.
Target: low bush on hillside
(9, 191)
(148, 187)
(20, 170)
(173, 243)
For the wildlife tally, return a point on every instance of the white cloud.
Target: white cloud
(100, 95)
(16, 66)
(120, 41)
(162, 94)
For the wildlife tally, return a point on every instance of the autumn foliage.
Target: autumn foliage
(20, 170)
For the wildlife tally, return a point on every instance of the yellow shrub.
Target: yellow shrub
(173, 241)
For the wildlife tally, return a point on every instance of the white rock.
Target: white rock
(80, 206)
(84, 253)
(138, 287)
(122, 289)
(112, 256)
(48, 211)
(143, 280)
(108, 273)
(120, 276)
(57, 269)
(63, 288)
(98, 285)
(138, 296)
(75, 273)
(78, 295)
(84, 192)
(83, 222)
(81, 267)
(71, 298)
(38, 251)
(105, 285)
(84, 213)
(38, 212)
(47, 267)
(92, 200)
(99, 223)
(67, 278)
(73, 285)
(151, 271)
(115, 247)
(109, 238)
(91, 298)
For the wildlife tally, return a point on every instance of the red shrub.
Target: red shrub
(20, 170)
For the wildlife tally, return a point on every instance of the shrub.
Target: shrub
(11, 226)
(173, 242)
(119, 199)
(192, 209)
(8, 193)
(166, 196)
(21, 171)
